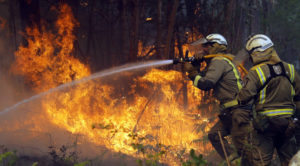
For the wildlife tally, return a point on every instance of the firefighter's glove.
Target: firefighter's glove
(192, 70)
(199, 58)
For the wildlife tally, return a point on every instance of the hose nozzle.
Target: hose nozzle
(182, 60)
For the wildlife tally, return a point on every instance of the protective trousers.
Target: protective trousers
(297, 135)
(241, 133)
(264, 143)
(220, 130)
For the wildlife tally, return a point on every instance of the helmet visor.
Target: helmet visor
(199, 42)
(197, 46)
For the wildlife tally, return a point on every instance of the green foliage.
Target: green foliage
(65, 155)
(35, 164)
(150, 159)
(195, 160)
(8, 158)
(151, 154)
(84, 163)
(237, 162)
(138, 147)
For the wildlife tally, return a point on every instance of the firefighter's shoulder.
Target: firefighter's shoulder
(257, 66)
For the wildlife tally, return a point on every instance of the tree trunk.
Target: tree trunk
(184, 85)
(239, 28)
(254, 17)
(190, 7)
(90, 37)
(171, 28)
(265, 12)
(12, 24)
(229, 30)
(123, 52)
(158, 29)
(133, 50)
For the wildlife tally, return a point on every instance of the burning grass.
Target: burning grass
(145, 110)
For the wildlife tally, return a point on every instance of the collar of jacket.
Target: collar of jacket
(269, 56)
(220, 55)
(217, 48)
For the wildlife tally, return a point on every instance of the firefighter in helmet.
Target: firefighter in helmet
(223, 77)
(272, 88)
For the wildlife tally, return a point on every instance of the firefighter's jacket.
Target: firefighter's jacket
(271, 93)
(223, 77)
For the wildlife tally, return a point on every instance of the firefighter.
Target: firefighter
(272, 87)
(222, 76)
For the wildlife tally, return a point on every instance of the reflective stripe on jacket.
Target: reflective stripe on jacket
(225, 78)
(276, 96)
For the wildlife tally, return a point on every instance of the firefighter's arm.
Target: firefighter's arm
(249, 90)
(214, 72)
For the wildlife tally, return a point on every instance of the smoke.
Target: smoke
(242, 57)
(14, 135)
(8, 86)
(7, 92)
(28, 130)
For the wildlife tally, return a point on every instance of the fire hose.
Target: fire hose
(196, 62)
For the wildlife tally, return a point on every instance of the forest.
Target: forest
(108, 33)
(148, 117)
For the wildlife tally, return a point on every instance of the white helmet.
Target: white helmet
(211, 38)
(216, 38)
(259, 43)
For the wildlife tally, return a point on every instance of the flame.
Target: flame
(46, 60)
(191, 37)
(148, 109)
(97, 111)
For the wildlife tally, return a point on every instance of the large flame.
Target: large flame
(114, 112)
(46, 60)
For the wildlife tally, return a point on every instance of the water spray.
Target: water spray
(115, 70)
(127, 67)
